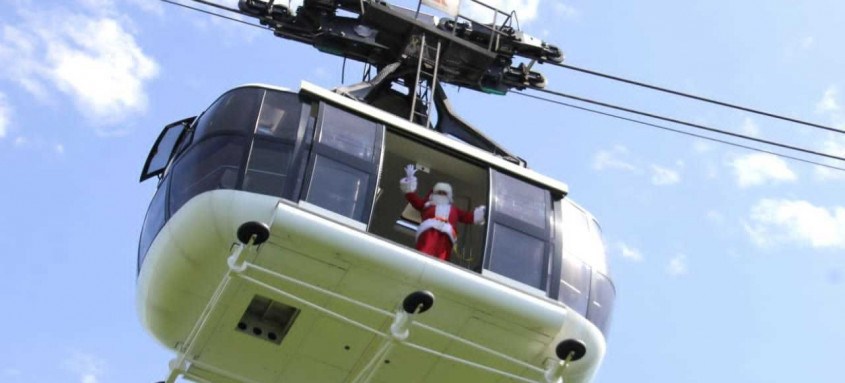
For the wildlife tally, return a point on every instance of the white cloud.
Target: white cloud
(759, 168)
(776, 221)
(677, 266)
(630, 253)
(526, 10)
(5, 116)
(88, 368)
(89, 56)
(749, 127)
(611, 160)
(829, 102)
(661, 176)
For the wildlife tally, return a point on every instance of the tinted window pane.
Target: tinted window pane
(153, 223)
(521, 200)
(518, 256)
(209, 165)
(339, 188)
(575, 284)
(165, 148)
(348, 133)
(268, 168)
(279, 115)
(602, 295)
(235, 111)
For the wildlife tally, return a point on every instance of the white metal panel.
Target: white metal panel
(188, 259)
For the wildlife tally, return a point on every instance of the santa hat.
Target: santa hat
(444, 187)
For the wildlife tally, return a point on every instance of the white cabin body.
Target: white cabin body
(316, 302)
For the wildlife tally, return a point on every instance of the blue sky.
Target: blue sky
(729, 265)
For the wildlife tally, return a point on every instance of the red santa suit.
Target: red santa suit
(437, 232)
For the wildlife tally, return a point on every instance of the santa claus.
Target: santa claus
(436, 234)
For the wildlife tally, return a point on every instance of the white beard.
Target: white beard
(438, 200)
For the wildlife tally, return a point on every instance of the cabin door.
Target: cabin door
(519, 245)
(343, 167)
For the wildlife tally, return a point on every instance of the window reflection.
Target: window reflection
(212, 164)
(165, 148)
(518, 256)
(521, 200)
(339, 188)
(234, 112)
(602, 295)
(575, 284)
(267, 170)
(348, 133)
(279, 115)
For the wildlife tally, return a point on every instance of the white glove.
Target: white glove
(409, 183)
(479, 215)
(410, 170)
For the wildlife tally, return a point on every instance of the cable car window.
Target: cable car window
(344, 163)
(519, 256)
(276, 134)
(279, 115)
(575, 284)
(602, 295)
(209, 165)
(519, 240)
(234, 112)
(339, 188)
(348, 133)
(523, 202)
(268, 166)
(163, 149)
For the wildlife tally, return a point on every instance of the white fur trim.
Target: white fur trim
(442, 186)
(408, 184)
(478, 215)
(435, 224)
(443, 211)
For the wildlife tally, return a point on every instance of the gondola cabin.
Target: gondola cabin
(278, 247)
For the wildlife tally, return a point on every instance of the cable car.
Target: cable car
(278, 247)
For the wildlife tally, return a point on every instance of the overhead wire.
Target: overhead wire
(690, 124)
(646, 123)
(624, 109)
(695, 97)
(208, 3)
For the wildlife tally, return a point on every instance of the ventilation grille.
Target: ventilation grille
(267, 319)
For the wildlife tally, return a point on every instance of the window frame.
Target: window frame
(317, 148)
(546, 236)
(299, 145)
(178, 143)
